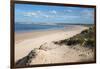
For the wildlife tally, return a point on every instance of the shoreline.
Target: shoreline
(36, 33)
(32, 40)
(33, 34)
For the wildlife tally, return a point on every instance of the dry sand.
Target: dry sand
(49, 52)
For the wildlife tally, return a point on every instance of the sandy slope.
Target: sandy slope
(62, 54)
(51, 53)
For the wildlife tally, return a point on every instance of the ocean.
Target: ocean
(32, 27)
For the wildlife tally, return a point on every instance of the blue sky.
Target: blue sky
(53, 14)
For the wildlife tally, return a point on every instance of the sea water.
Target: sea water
(32, 27)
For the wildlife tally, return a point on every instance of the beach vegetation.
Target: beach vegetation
(86, 38)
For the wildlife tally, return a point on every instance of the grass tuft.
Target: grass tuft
(86, 38)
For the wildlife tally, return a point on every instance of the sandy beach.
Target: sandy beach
(50, 52)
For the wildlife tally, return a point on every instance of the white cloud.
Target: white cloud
(54, 12)
(88, 13)
(69, 10)
(29, 14)
(47, 16)
(36, 14)
(39, 11)
(73, 16)
(70, 16)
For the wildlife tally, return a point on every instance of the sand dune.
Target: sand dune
(47, 51)
(62, 54)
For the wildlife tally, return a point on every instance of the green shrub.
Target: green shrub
(85, 38)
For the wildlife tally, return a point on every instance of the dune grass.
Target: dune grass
(86, 38)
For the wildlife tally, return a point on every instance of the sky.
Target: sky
(28, 13)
